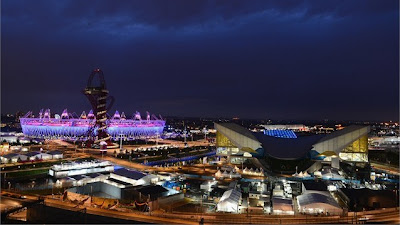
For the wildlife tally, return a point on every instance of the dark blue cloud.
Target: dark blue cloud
(276, 59)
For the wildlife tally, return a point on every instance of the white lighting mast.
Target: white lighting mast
(120, 142)
(184, 133)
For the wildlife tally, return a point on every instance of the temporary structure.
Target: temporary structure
(314, 203)
(229, 201)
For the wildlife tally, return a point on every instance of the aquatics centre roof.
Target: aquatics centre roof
(284, 148)
(287, 147)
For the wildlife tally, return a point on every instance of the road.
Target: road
(8, 203)
(121, 215)
(388, 169)
(390, 215)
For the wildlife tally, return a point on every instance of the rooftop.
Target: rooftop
(29, 154)
(133, 174)
(239, 129)
(119, 182)
(78, 177)
(94, 175)
(312, 198)
(10, 155)
(343, 131)
(55, 152)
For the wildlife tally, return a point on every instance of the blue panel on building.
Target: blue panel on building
(280, 133)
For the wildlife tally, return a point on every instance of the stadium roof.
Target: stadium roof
(290, 148)
(287, 147)
(343, 131)
(239, 129)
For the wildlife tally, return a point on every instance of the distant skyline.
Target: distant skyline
(290, 60)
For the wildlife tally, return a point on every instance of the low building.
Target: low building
(9, 138)
(316, 203)
(56, 154)
(208, 185)
(229, 201)
(278, 191)
(80, 180)
(134, 177)
(32, 156)
(12, 158)
(80, 168)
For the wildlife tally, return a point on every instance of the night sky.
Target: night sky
(252, 59)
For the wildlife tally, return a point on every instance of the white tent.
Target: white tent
(313, 203)
(229, 201)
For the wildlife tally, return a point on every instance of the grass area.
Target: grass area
(27, 173)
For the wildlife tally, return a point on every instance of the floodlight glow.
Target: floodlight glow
(67, 127)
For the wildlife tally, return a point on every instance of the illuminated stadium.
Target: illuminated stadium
(283, 150)
(97, 125)
(69, 127)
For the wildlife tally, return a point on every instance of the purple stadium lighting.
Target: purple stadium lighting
(70, 128)
(96, 125)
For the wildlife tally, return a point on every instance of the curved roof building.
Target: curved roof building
(318, 203)
(349, 144)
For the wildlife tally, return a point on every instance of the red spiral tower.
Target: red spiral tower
(98, 96)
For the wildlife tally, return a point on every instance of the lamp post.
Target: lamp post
(120, 142)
